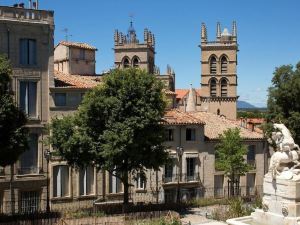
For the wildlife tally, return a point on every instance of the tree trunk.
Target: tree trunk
(232, 185)
(126, 191)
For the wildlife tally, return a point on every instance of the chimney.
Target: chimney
(190, 106)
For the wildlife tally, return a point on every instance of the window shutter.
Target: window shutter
(32, 52)
(23, 52)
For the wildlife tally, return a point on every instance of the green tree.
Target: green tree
(13, 134)
(284, 98)
(117, 127)
(230, 154)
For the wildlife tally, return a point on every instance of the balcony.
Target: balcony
(29, 170)
(185, 178)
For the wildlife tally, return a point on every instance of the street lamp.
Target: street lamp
(47, 155)
(179, 151)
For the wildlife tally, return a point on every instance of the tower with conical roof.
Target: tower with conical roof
(219, 72)
(129, 52)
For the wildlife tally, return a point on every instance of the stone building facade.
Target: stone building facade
(192, 121)
(26, 38)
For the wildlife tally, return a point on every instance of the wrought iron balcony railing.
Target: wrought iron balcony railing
(185, 177)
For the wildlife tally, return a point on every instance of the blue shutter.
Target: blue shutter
(32, 97)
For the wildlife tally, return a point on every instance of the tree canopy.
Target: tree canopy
(117, 127)
(230, 154)
(13, 134)
(284, 98)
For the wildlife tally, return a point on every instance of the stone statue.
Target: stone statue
(285, 160)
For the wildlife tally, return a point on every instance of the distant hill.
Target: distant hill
(245, 105)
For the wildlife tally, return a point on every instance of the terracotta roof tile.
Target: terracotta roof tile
(177, 117)
(216, 125)
(180, 93)
(76, 81)
(77, 45)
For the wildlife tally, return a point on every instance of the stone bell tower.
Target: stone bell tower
(129, 52)
(219, 72)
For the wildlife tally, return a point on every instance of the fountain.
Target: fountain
(281, 187)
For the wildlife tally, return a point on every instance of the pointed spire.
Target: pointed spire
(190, 106)
(234, 32)
(203, 33)
(218, 30)
(116, 37)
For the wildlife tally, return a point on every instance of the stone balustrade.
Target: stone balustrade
(23, 14)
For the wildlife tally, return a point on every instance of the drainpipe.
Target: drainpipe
(8, 43)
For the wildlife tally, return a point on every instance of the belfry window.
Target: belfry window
(213, 65)
(126, 63)
(224, 65)
(224, 88)
(213, 88)
(135, 62)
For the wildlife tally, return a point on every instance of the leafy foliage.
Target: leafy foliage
(230, 154)
(117, 127)
(13, 134)
(251, 114)
(284, 98)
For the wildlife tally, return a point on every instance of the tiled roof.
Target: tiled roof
(76, 81)
(180, 93)
(256, 120)
(77, 45)
(177, 117)
(216, 125)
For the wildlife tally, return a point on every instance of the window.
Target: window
(60, 181)
(60, 99)
(1, 202)
(224, 65)
(29, 159)
(213, 65)
(126, 63)
(251, 184)
(28, 97)
(115, 185)
(251, 156)
(27, 52)
(169, 171)
(86, 181)
(190, 134)
(82, 54)
(219, 182)
(224, 88)
(213, 88)
(140, 181)
(190, 168)
(169, 135)
(135, 62)
(30, 202)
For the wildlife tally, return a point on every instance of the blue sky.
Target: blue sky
(268, 34)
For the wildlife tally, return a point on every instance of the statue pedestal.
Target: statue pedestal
(281, 204)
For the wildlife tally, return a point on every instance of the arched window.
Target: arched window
(223, 88)
(213, 65)
(218, 112)
(213, 88)
(135, 62)
(224, 65)
(126, 63)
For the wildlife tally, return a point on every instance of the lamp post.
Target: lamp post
(47, 155)
(179, 151)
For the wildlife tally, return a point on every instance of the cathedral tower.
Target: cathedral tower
(219, 72)
(129, 52)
